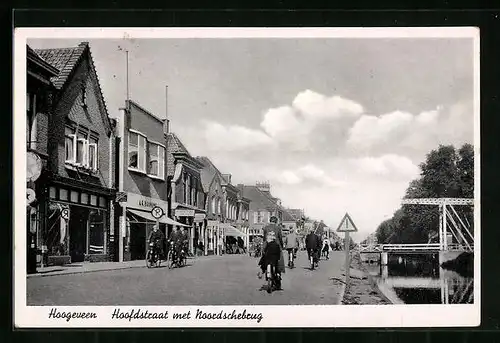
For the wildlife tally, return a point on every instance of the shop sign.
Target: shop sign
(184, 213)
(199, 217)
(212, 223)
(144, 203)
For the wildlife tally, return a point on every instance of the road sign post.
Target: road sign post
(346, 226)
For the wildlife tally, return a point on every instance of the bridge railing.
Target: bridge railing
(410, 247)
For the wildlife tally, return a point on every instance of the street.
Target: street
(213, 280)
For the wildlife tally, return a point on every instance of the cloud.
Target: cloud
(234, 137)
(387, 165)
(308, 175)
(402, 132)
(317, 106)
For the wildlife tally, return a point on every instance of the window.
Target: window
(219, 206)
(80, 150)
(136, 151)
(259, 217)
(93, 158)
(213, 205)
(156, 160)
(187, 189)
(193, 197)
(70, 145)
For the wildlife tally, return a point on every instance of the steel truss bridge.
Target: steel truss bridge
(450, 221)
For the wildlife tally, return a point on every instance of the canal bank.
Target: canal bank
(362, 289)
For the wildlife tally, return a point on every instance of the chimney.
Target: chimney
(264, 186)
(166, 126)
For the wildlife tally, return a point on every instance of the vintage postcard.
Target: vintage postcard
(286, 177)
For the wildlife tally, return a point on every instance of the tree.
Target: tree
(445, 173)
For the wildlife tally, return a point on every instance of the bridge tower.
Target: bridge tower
(449, 220)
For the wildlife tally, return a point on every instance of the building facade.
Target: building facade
(39, 93)
(187, 199)
(212, 186)
(79, 191)
(142, 179)
(243, 216)
(262, 207)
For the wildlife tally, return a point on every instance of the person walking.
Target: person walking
(292, 245)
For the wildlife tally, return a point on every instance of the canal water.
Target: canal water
(419, 279)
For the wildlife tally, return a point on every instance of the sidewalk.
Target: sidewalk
(88, 267)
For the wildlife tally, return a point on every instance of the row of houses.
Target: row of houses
(93, 178)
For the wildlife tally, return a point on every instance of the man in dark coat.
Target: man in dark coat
(313, 244)
(274, 227)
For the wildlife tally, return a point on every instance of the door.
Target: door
(78, 222)
(137, 241)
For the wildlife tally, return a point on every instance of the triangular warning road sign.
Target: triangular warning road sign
(347, 225)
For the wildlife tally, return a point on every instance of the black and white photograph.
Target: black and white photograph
(247, 177)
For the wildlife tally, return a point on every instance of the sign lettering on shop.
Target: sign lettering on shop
(143, 202)
(184, 213)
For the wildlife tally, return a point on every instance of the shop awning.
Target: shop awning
(163, 220)
(232, 231)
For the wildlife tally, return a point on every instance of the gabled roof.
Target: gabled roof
(257, 197)
(208, 173)
(66, 60)
(287, 217)
(175, 145)
(63, 59)
(33, 56)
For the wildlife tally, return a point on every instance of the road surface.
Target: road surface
(213, 280)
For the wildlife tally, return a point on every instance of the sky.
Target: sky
(335, 125)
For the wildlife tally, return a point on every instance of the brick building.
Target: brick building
(211, 180)
(142, 178)
(187, 199)
(39, 93)
(79, 183)
(262, 206)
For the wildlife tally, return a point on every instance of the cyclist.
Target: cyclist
(156, 237)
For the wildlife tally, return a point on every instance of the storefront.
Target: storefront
(77, 226)
(200, 232)
(140, 222)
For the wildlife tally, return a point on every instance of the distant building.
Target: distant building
(211, 180)
(262, 206)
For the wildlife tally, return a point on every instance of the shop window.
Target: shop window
(156, 160)
(63, 194)
(74, 196)
(96, 232)
(137, 151)
(93, 200)
(57, 231)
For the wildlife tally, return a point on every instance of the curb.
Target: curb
(47, 274)
(79, 272)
